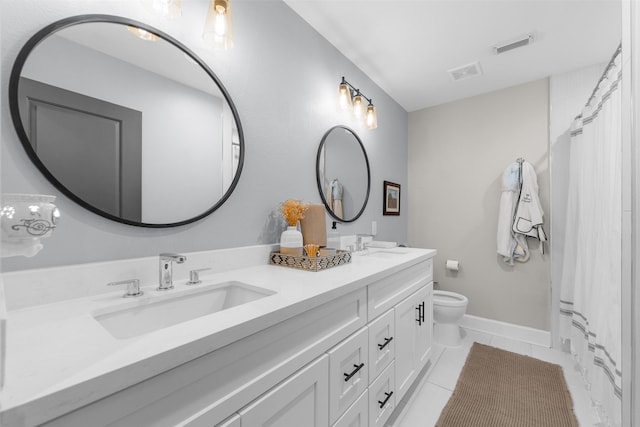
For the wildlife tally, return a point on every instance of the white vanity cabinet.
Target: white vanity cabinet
(343, 363)
(399, 332)
(400, 335)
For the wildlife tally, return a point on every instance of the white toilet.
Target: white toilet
(448, 309)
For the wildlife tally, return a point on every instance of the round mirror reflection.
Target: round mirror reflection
(342, 174)
(129, 124)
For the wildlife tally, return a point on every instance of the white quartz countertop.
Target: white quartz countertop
(60, 358)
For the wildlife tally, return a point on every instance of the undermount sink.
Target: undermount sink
(155, 314)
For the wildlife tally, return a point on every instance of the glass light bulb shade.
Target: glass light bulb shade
(171, 9)
(358, 107)
(371, 118)
(143, 34)
(218, 29)
(344, 98)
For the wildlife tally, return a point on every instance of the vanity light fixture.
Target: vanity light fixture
(351, 99)
(218, 30)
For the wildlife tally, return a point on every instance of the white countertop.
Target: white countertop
(60, 358)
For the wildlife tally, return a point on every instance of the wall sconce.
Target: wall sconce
(351, 99)
(218, 30)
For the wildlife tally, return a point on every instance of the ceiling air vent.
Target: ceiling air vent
(465, 72)
(513, 44)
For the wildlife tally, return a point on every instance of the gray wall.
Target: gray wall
(457, 154)
(282, 76)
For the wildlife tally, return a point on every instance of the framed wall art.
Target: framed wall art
(391, 199)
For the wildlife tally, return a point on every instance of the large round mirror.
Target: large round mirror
(342, 174)
(126, 121)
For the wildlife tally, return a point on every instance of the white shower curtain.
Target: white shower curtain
(590, 315)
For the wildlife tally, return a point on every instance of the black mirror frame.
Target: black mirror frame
(321, 190)
(14, 80)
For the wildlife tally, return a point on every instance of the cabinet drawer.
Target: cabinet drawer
(382, 346)
(357, 415)
(387, 292)
(382, 398)
(348, 372)
(300, 400)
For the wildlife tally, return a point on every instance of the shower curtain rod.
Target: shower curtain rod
(604, 73)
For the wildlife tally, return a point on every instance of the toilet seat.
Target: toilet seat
(449, 299)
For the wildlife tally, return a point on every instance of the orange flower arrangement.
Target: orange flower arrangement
(293, 211)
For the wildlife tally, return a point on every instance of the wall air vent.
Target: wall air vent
(465, 72)
(513, 44)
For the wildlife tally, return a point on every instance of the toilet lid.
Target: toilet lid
(449, 299)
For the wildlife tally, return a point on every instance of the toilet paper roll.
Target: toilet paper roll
(453, 265)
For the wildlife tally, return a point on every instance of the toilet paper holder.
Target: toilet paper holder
(452, 265)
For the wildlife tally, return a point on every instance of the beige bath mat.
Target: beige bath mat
(498, 388)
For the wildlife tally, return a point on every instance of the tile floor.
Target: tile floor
(432, 395)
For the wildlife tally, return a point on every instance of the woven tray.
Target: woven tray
(310, 264)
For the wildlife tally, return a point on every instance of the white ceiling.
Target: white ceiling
(407, 46)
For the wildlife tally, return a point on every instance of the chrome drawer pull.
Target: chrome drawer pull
(385, 400)
(347, 377)
(386, 343)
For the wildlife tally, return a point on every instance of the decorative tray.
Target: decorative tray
(311, 263)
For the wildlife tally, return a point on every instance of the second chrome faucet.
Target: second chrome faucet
(166, 269)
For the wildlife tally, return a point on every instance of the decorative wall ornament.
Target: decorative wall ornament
(25, 219)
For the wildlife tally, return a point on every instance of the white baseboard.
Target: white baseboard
(507, 330)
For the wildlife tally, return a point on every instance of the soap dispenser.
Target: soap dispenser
(333, 237)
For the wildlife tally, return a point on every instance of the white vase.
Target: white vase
(291, 241)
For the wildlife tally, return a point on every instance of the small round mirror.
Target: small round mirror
(342, 174)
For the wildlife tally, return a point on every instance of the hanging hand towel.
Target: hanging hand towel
(334, 197)
(510, 189)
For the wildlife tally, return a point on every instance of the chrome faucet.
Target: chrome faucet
(166, 270)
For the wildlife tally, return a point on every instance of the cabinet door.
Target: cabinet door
(301, 400)
(348, 372)
(382, 348)
(407, 316)
(424, 331)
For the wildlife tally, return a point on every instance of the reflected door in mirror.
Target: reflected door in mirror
(102, 142)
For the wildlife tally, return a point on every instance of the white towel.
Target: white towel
(508, 199)
(528, 219)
